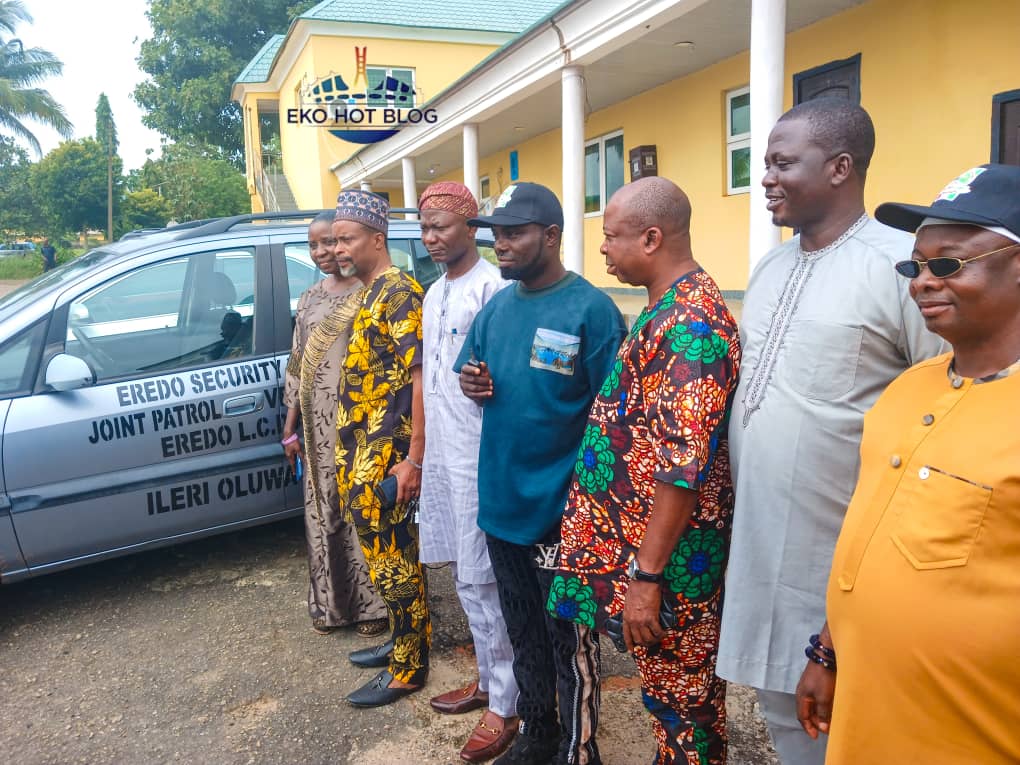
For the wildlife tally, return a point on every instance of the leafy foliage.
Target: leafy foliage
(71, 185)
(195, 182)
(197, 50)
(21, 70)
(144, 209)
(106, 130)
(19, 213)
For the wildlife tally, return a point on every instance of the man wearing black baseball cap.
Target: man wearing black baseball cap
(922, 597)
(534, 358)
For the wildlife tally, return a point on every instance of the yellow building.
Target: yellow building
(353, 56)
(691, 89)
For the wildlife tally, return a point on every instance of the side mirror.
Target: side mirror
(67, 372)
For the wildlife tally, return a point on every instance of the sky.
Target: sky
(98, 42)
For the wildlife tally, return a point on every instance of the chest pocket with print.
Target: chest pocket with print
(555, 351)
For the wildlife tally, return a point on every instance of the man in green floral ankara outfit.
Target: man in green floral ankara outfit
(648, 518)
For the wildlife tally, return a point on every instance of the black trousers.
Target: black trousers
(552, 657)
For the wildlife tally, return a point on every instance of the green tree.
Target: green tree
(20, 71)
(197, 50)
(71, 185)
(195, 182)
(106, 135)
(106, 130)
(19, 214)
(144, 209)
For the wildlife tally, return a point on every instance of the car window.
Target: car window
(170, 315)
(153, 291)
(302, 272)
(17, 357)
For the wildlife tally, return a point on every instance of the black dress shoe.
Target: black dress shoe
(378, 656)
(377, 693)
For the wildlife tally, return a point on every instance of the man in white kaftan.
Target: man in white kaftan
(449, 491)
(826, 325)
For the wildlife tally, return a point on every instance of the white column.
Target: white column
(410, 190)
(366, 185)
(572, 83)
(471, 157)
(768, 43)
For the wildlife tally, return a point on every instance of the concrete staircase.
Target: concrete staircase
(277, 195)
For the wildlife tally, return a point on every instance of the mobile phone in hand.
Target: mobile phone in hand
(614, 625)
(386, 491)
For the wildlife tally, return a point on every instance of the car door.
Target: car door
(179, 435)
(19, 360)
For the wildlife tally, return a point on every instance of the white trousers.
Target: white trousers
(792, 744)
(492, 644)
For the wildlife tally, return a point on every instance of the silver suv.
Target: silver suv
(141, 389)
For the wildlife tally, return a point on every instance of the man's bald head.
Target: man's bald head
(658, 202)
(838, 126)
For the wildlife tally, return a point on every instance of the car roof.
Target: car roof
(142, 240)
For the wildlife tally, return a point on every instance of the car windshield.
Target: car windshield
(26, 293)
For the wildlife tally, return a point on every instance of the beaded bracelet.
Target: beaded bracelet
(829, 664)
(289, 439)
(816, 644)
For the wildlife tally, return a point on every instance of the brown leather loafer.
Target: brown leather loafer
(490, 738)
(460, 701)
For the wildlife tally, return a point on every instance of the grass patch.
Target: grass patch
(30, 265)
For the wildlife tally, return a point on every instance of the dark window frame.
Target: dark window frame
(799, 77)
(998, 100)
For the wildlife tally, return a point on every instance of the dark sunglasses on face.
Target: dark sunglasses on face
(942, 267)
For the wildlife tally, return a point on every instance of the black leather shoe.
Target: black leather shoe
(377, 693)
(378, 656)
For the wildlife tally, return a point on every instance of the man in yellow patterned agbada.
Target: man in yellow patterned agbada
(380, 433)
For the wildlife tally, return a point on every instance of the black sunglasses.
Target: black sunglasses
(942, 267)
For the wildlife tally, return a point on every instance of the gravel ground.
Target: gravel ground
(203, 653)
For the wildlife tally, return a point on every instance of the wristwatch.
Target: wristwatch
(633, 572)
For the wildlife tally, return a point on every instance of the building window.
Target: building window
(738, 141)
(837, 79)
(604, 166)
(483, 187)
(390, 87)
(1006, 128)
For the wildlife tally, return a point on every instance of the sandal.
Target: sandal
(373, 627)
(320, 628)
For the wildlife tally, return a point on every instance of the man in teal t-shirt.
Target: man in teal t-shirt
(535, 358)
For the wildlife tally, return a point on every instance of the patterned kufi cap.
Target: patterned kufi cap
(363, 207)
(449, 196)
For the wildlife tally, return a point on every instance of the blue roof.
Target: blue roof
(511, 16)
(258, 68)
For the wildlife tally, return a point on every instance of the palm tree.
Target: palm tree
(20, 71)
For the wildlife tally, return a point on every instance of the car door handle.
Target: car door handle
(241, 405)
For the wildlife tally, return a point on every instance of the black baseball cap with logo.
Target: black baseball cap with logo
(523, 203)
(988, 195)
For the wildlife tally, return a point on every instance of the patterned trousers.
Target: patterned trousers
(685, 697)
(552, 657)
(392, 557)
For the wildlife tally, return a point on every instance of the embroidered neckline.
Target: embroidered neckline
(319, 342)
(789, 298)
(957, 380)
(856, 226)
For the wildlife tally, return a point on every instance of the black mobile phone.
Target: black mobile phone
(386, 491)
(614, 625)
